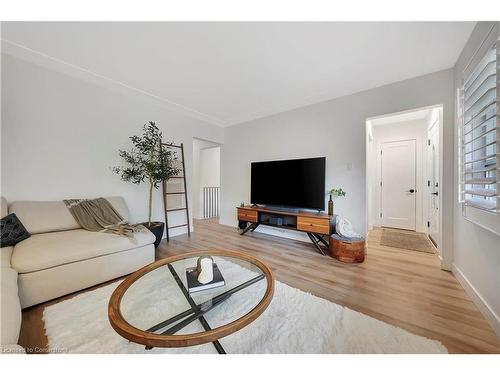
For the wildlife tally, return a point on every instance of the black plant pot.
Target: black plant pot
(156, 228)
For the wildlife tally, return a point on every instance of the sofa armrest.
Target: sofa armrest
(10, 313)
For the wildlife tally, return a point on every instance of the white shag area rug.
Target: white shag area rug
(294, 322)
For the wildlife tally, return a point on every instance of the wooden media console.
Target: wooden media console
(316, 225)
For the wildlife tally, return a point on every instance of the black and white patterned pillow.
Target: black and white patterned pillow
(12, 231)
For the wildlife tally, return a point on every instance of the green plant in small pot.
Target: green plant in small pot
(149, 162)
(334, 193)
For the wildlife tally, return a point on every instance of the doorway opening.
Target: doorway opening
(206, 180)
(403, 178)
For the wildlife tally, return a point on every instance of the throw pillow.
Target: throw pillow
(12, 231)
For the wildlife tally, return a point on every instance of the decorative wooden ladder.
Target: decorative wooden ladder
(184, 192)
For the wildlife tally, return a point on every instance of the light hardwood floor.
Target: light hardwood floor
(401, 287)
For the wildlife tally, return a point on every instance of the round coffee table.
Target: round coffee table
(153, 307)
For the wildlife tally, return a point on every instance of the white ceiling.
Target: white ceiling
(234, 72)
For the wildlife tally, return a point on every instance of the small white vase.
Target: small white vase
(205, 267)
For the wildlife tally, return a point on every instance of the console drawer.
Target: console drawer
(247, 215)
(314, 225)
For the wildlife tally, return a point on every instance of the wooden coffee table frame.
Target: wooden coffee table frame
(149, 339)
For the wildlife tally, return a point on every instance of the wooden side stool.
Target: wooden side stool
(348, 250)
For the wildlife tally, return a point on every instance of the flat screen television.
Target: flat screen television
(297, 183)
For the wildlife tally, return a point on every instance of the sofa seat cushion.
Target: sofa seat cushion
(47, 250)
(10, 308)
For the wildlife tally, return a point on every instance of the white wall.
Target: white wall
(61, 135)
(417, 130)
(476, 256)
(206, 171)
(210, 167)
(335, 129)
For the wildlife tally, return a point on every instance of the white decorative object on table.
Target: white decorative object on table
(206, 269)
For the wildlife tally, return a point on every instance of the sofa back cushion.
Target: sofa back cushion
(53, 216)
(119, 205)
(42, 217)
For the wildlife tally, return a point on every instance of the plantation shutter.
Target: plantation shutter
(480, 135)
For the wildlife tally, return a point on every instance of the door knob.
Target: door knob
(411, 191)
(436, 193)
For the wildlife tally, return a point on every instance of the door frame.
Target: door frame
(446, 246)
(196, 196)
(428, 172)
(417, 196)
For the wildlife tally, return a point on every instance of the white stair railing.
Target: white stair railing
(211, 201)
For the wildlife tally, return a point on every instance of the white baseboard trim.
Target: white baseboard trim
(177, 232)
(478, 300)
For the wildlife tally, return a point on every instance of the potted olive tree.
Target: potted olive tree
(148, 162)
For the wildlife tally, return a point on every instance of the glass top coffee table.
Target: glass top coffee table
(153, 307)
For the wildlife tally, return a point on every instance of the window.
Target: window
(479, 138)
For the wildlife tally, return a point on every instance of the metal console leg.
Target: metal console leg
(250, 227)
(322, 239)
(254, 227)
(316, 243)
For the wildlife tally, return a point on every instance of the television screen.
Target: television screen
(298, 183)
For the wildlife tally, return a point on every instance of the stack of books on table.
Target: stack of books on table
(195, 286)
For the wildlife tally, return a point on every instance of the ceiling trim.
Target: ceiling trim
(39, 58)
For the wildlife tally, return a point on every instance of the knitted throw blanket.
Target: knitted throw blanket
(98, 215)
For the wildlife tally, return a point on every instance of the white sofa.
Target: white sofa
(60, 257)
(10, 317)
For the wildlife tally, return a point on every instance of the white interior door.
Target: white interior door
(433, 183)
(398, 198)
